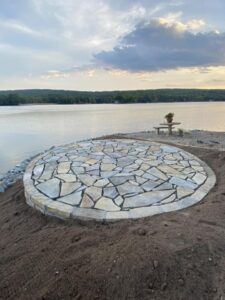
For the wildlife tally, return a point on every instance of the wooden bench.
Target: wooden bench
(158, 128)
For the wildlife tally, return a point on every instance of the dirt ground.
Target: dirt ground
(178, 255)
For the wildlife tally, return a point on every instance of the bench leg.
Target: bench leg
(170, 130)
(158, 131)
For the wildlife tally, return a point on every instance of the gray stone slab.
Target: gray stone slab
(69, 187)
(106, 204)
(157, 173)
(107, 174)
(94, 192)
(120, 179)
(199, 178)
(50, 188)
(146, 199)
(128, 188)
(37, 171)
(110, 192)
(67, 177)
(86, 202)
(101, 182)
(149, 185)
(72, 199)
(87, 179)
(78, 170)
(63, 167)
(183, 183)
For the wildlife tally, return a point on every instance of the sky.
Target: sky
(112, 45)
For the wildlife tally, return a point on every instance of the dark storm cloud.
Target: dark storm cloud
(154, 47)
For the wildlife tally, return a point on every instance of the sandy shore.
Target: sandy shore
(178, 255)
(193, 138)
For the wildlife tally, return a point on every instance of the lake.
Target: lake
(27, 130)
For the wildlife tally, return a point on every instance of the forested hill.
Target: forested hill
(40, 96)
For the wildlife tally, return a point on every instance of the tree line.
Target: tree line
(18, 97)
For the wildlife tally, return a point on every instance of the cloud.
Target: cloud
(158, 46)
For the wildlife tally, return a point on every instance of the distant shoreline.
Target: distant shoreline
(39, 96)
(60, 104)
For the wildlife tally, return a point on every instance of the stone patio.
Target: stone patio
(115, 179)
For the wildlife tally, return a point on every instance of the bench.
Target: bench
(158, 128)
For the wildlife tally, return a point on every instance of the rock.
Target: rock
(93, 167)
(129, 188)
(140, 180)
(91, 161)
(147, 198)
(157, 173)
(181, 281)
(101, 182)
(149, 185)
(182, 183)
(50, 188)
(199, 178)
(116, 180)
(106, 204)
(183, 192)
(168, 200)
(67, 177)
(142, 231)
(107, 167)
(87, 179)
(108, 174)
(78, 170)
(2, 187)
(94, 192)
(163, 186)
(86, 202)
(110, 192)
(48, 171)
(155, 264)
(72, 199)
(149, 176)
(69, 187)
(118, 200)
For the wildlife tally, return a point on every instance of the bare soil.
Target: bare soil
(179, 255)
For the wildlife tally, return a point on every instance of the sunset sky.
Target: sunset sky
(112, 45)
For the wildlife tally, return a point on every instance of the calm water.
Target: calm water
(27, 130)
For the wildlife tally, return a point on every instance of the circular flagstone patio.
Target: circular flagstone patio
(115, 179)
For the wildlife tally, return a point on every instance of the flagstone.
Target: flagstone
(199, 178)
(101, 182)
(146, 199)
(63, 167)
(183, 192)
(149, 185)
(108, 167)
(110, 192)
(67, 177)
(72, 199)
(87, 179)
(94, 192)
(106, 204)
(37, 171)
(50, 188)
(69, 187)
(115, 179)
(128, 188)
(183, 183)
(86, 202)
(118, 200)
